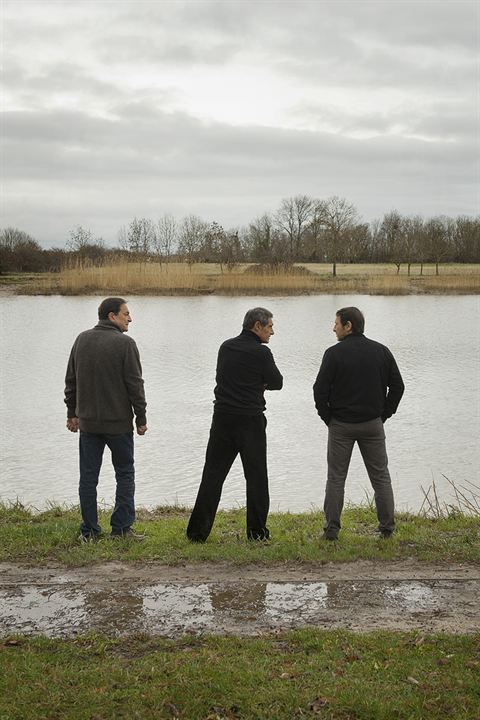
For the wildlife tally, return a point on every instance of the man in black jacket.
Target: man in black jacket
(103, 391)
(245, 369)
(357, 388)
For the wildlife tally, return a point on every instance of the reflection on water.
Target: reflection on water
(433, 434)
(166, 609)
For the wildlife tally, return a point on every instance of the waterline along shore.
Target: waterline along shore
(154, 278)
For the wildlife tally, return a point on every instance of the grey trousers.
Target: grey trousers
(370, 437)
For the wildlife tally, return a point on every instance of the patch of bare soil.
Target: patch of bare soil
(125, 599)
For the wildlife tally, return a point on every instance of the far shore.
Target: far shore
(153, 278)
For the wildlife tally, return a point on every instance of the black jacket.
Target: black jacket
(358, 381)
(245, 369)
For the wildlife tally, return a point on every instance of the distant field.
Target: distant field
(151, 278)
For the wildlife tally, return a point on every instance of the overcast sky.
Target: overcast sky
(120, 109)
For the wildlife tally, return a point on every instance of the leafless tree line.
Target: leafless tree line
(302, 229)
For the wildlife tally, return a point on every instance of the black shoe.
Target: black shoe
(258, 534)
(330, 535)
(88, 538)
(384, 534)
(196, 539)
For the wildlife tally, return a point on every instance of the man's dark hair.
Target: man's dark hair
(261, 314)
(355, 316)
(111, 304)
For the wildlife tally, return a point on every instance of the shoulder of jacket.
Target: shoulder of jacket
(332, 350)
(129, 341)
(379, 345)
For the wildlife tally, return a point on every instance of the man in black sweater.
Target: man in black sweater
(103, 391)
(357, 389)
(245, 369)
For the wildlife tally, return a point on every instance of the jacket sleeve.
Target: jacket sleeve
(134, 383)
(71, 386)
(395, 391)
(321, 388)
(271, 374)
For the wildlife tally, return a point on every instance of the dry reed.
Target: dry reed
(151, 278)
(467, 501)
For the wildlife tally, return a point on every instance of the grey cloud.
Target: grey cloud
(176, 32)
(434, 120)
(183, 52)
(148, 162)
(63, 168)
(431, 23)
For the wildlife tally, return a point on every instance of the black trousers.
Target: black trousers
(229, 435)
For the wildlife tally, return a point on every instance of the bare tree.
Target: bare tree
(19, 252)
(165, 238)
(313, 240)
(141, 236)
(357, 240)
(466, 240)
(436, 240)
(376, 249)
(232, 250)
(260, 233)
(338, 217)
(191, 236)
(268, 244)
(212, 242)
(123, 238)
(294, 217)
(80, 239)
(412, 237)
(393, 238)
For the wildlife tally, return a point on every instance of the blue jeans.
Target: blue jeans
(92, 446)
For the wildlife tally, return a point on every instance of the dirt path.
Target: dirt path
(123, 599)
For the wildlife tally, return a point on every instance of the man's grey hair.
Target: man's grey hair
(261, 314)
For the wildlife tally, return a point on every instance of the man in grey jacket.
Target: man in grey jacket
(103, 392)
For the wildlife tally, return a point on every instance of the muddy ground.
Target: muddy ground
(123, 599)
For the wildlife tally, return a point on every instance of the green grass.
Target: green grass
(303, 674)
(333, 675)
(27, 536)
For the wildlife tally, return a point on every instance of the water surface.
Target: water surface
(435, 339)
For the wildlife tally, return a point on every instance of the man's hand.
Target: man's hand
(73, 424)
(141, 429)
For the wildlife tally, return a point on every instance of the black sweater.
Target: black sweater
(358, 381)
(245, 369)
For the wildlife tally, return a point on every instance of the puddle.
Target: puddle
(64, 609)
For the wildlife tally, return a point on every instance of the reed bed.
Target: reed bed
(152, 278)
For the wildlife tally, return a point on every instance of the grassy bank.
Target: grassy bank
(303, 674)
(334, 675)
(209, 278)
(27, 536)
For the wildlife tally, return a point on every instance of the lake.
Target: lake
(433, 436)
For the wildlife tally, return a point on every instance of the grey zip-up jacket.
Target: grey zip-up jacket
(103, 383)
